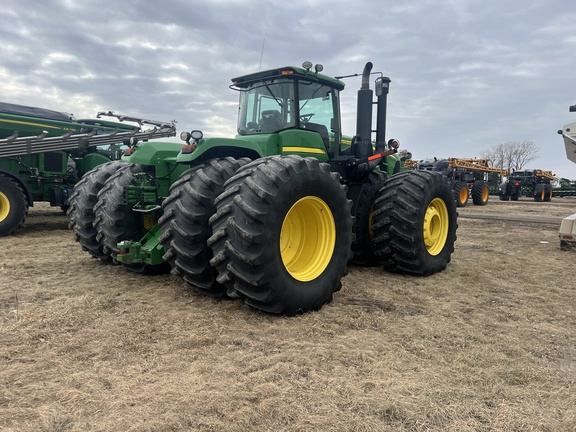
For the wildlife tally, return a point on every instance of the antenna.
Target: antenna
(261, 54)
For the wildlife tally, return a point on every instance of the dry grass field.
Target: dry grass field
(487, 345)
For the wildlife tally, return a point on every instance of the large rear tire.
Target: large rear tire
(504, 191)
(415, 223)
(548, 192)
(539, 192)
(81, 210)
(282, 234)
(363, 233)
(115, 221)
(184, 224)
(480, 193)
(13, 206)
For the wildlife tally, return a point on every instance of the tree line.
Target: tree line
(511, 155)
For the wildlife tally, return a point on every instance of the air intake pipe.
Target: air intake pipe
(362, 145)
(382, 87)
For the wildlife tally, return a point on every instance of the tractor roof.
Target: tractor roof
(289, 72)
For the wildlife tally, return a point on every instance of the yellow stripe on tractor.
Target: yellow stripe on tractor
(30, 124)
(303, 150)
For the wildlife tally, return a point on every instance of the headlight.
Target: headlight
(196, 135)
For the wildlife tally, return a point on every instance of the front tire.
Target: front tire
(13, 206)
(184, 223)
(81, 211)
(415, 223)
(282, 234)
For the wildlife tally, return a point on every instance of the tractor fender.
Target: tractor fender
(212, 148)
(149, 153)
(22, 183)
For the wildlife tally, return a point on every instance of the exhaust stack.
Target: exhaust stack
(362, 144)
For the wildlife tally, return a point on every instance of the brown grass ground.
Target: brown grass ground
(487, 345)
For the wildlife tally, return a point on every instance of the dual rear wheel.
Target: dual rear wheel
(81, 208)
(281, 234)
(542, 192)
(415, 223)
(480, 193)
(184, 223)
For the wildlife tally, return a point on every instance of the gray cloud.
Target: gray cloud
(466, 75)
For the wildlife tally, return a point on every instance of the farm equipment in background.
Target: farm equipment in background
(565, 188)
(567, 232)
(273, 215)
(467, 177)
(530, 183)
(405, 158)
(43, 153)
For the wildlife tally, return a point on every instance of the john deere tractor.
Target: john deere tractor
(273, 215)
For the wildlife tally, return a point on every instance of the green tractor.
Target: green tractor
(274, 215)
(44, 152)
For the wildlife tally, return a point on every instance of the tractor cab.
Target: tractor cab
(288, 99)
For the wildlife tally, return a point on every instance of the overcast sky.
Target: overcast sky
(466, 74)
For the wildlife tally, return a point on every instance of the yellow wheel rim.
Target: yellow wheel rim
(485, 194)
(436, 223)
(4, 206)
(543, 194)
(463, 194)
(307, 238)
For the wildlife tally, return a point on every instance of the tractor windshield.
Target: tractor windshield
(318, 105)
(272, 106)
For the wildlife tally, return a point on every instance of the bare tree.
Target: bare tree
(511, 155)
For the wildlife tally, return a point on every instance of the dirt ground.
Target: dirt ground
(487, 345)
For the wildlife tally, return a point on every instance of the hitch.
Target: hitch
(134, 252)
